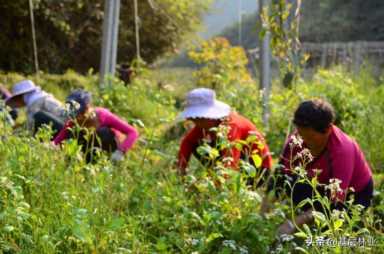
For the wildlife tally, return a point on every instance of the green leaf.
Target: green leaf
(116, 224)
(256, 160)
(8, 228)
(213, 236)
(161, 244)
(338, 223)
(301, 234)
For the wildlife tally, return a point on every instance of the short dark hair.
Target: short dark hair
(316, 114)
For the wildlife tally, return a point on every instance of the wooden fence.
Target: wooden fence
(350, 54)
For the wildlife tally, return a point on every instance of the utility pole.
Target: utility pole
(265, 64)
(240, 21)
(137, 20)
(110, 37)
(34, 44)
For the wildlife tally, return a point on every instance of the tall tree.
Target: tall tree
(69, 32)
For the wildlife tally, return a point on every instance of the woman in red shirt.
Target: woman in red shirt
(206, 113)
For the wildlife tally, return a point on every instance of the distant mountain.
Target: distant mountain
(223, 16)
(225, 13)
(324, 21)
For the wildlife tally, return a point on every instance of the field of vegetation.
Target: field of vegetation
(51, 201)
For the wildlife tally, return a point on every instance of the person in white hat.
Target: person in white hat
(42, 107)
(206, 112)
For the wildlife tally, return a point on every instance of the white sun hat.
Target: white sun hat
(21, 88)
(202, 103)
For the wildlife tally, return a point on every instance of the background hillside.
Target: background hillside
(324, 21)
(224, 13)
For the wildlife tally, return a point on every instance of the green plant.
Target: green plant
(223, 65)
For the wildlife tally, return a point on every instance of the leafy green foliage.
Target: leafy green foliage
(223, 65)
(51, 201)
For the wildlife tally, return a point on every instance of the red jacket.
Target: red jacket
(240, 128)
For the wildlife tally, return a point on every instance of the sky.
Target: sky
(225, 13)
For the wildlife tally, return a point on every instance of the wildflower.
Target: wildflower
(307, 154)
(300, 171)
(227, 160)
(243, 250)
(230, 244)
(317, 171)
(253, 195)
(297, 141)
(195, 242)
(334, 187)
(286, 237)
(71, 108)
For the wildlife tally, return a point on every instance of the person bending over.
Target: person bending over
(327, 152)
(206, 113)
(108, 131)
(42, 107)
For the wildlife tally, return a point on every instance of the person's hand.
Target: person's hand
(117, 155)
(50, 146)
(287, 228)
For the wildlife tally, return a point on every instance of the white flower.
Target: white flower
(230, 244)
(195, 242)
(334, 187)
(243, 250)
(71, 108)
(286, 237)
(297, 141)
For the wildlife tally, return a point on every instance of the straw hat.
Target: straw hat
(202, 103)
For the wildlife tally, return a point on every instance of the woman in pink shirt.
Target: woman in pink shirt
(326, 151)
(111, 134)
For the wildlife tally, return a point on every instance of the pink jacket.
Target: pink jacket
(107, 119)
(342, 159)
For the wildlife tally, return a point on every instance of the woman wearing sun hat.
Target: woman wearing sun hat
(42, 107)
(112, 134)
(206, 112)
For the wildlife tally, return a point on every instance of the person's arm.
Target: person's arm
(187, 146)
(130, 132)
(266, 157)
(5, 94)
(63, 133)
